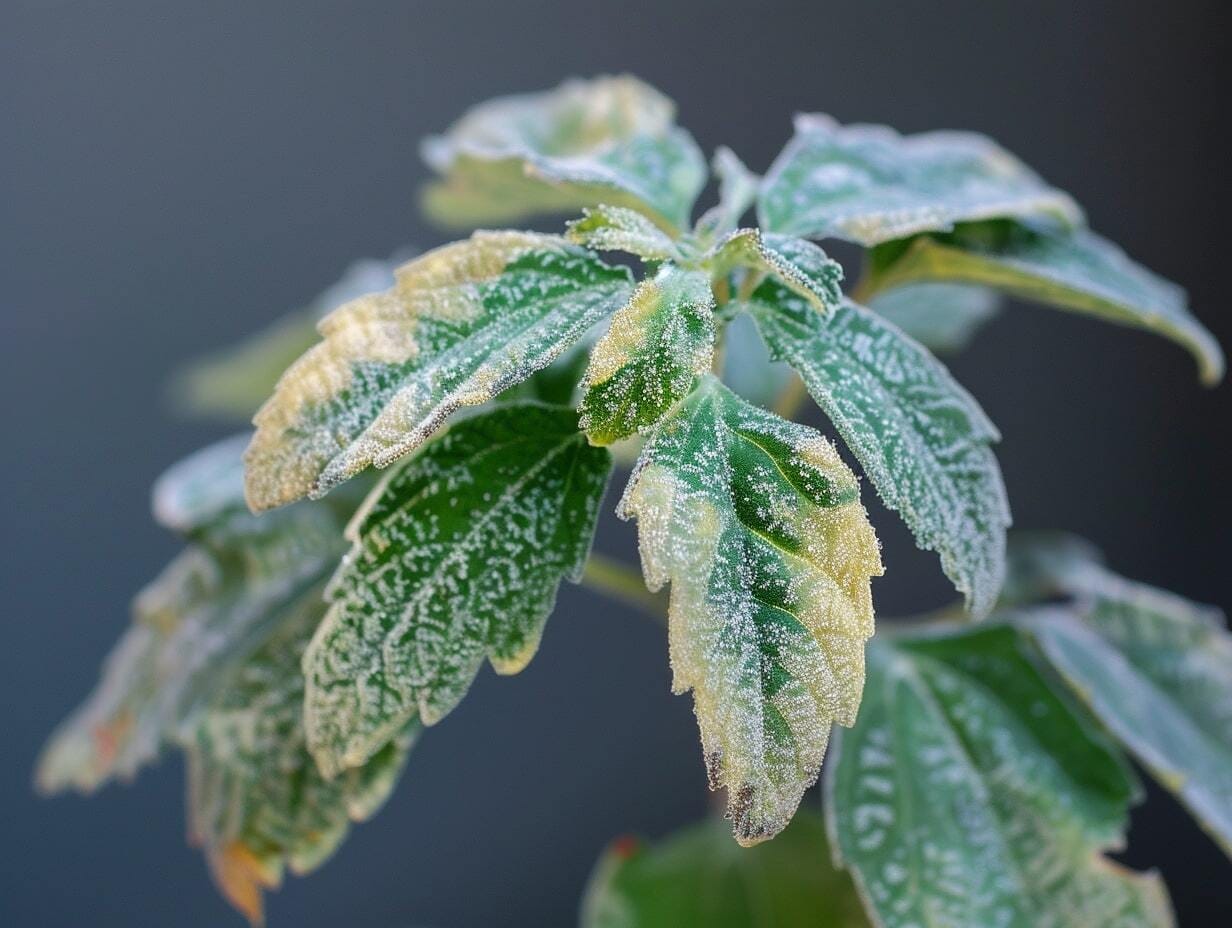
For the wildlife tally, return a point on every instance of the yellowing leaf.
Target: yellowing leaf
(757, 524)
(657, 343)
(608, 140)
(462, 323)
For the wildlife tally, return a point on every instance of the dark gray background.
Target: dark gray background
(175, 174)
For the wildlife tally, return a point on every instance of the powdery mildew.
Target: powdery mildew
(757, 524)
(920, 437)
(868, 184)
(455, 558)
(463, 323)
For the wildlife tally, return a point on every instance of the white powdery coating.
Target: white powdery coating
(1157, 671)
(797, 263)
(617, 228)
(460, 326)
(456, 558)
(949, 811)
(770, 600)
(868, 184)
(920, 437)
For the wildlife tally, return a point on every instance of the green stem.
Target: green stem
(620, 581)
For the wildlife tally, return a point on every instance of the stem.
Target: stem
(620, 581)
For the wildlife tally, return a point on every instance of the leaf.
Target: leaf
(233, 382)
(920, 437)
(868, 184)
(455, 557)
(463, 323)
(1078, 270)
(698, 877)
(747, 366)
(941, 317)
(609, 140)
(1157, 671)
(616, 228)
(968, 794)
(737, 192)
(798, 264)
(656, 345)
(205, 612)
(257, 802)
(757, 524)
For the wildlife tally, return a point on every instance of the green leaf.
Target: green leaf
(737, 191)
(455, 557)
(798, 264)
(463, 323)
(205, 612)
(656, 345)
(616, 228)
(1157, 671)
(968, 794)
(1079, 271)
(868, 184)
(232, 383)
(920, 437)
(757, 523)
(698, 877)
(609, 140)
(257, 802)
(941, 317)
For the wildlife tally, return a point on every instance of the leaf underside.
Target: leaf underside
(463, 323)
(456, 557)
(1076, 270)
(757, 524)
(969, 794)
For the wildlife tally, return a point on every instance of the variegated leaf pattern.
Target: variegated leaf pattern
(968, 794)
(257, 802)
(1079, 270)
(697, 877)
(462, 323)
(232, 383)
(920, 437)
(609, 140)
(942, 317)
(656, 345)
(798, 264)
(456, 558)
(757, 524)
(207, 609)
(1156, 670)
(868, 184)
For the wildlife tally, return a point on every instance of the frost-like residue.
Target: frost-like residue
(757, 525)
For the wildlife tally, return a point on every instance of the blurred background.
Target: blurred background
(175, 175)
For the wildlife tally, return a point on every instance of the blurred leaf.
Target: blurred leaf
(456, 557)
(609, 140)
(697, 877)
(941, 317)
(1070, 270)
(1156, 669)
(232, 383)
(968, 794)
(206, 611)
(257, 802)
(758, 525)
(920, 437)
(462, 323)
(868, 184)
